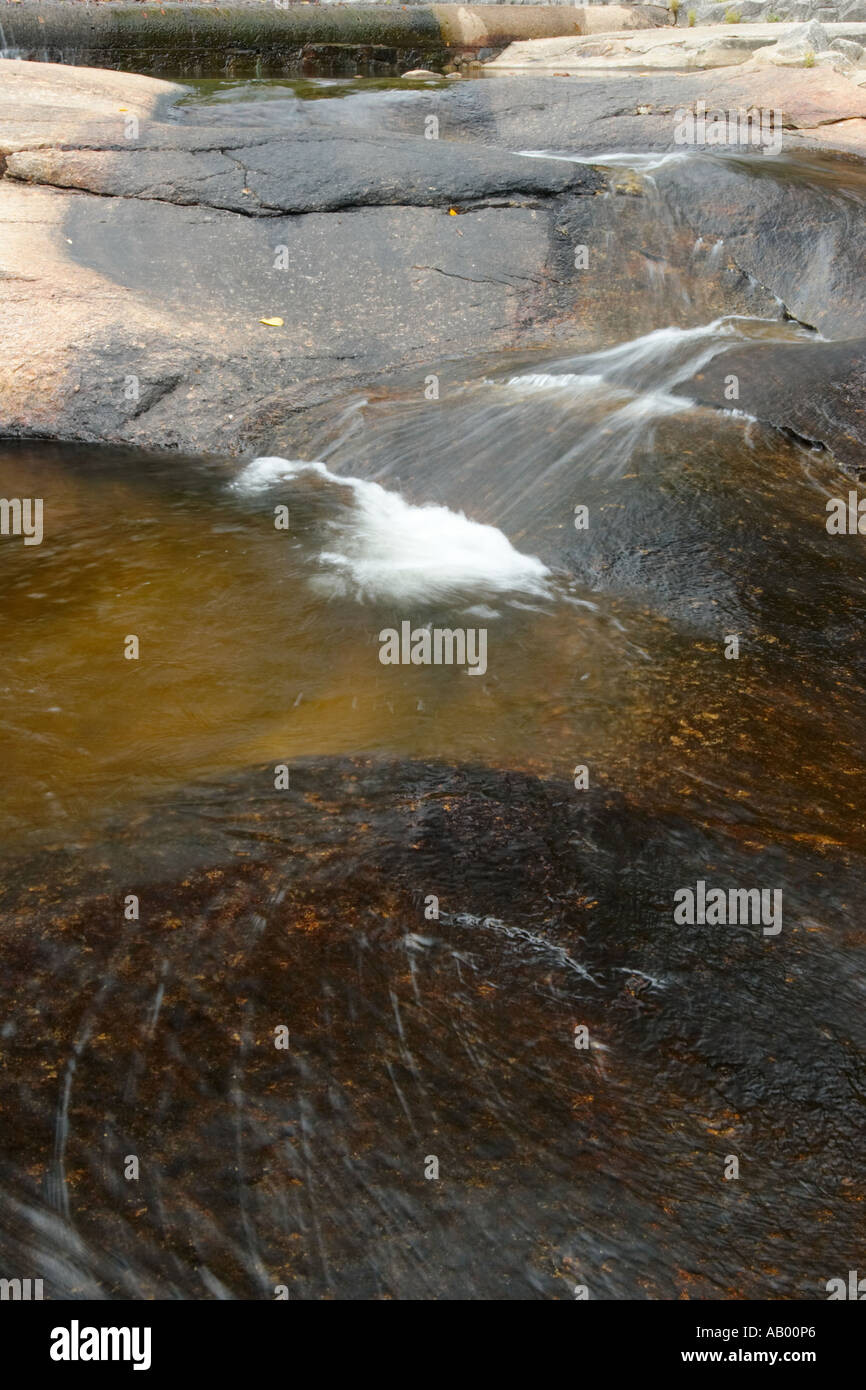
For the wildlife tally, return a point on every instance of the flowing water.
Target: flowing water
(259, 592)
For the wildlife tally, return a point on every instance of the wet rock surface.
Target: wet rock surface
(225, 379)
(311, 172)
(411, 1037)
(795, 225)
(628, 111)
(815, 390)
(151, 260)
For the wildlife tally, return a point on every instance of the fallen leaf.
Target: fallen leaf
(272, 323)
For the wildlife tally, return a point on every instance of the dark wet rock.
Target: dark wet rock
(432, 286)
(312, 172)
(411, 1037)
(795, 225)
(159, 341)
(815, 390)
(176, 292)
(630, 111)
(154, 261)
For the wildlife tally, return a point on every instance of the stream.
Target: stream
(400, 865)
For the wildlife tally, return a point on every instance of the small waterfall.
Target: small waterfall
(8, 50)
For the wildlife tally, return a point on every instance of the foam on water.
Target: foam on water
(384, 549)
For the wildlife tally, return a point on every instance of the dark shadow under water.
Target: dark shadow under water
(412, 1039)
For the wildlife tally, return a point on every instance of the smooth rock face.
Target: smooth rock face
(155, 258)
(798, 237)
(314, 172)
(630, 112)
(815, 390)
(815, 106)
(184, 239)
(175, 295)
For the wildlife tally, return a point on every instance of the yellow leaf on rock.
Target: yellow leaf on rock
(272, 323)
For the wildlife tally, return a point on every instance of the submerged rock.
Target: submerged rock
(287, 1035)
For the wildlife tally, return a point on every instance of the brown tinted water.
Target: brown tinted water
(617, 660)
